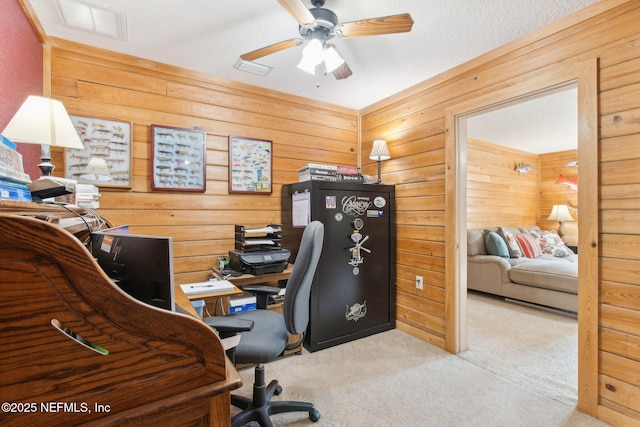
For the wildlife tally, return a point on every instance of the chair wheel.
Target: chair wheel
(278, 390)
(314, 416)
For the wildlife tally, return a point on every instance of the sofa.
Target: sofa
(524, 264)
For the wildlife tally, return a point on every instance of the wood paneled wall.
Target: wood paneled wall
(97, 83)
(413, 123)
(497, 195)
(552, 165)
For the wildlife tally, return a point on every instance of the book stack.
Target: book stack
(349, 174)
(317, 172)
(13, 180)
(87, 196)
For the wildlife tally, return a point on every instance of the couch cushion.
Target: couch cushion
(508, 234)
(529, 245)
(531, 228)
(541, 273)
(475, 243)
(495, 244)
(552, 244)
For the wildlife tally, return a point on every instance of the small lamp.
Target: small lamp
(43, 121)
(561, 214)
(379, 152)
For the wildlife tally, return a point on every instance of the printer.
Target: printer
(259, 262)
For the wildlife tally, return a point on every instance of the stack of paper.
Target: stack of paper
(206, 287)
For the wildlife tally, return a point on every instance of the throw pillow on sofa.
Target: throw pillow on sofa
(512, 243)
(495, 244)
(552, 244)
(529, 245)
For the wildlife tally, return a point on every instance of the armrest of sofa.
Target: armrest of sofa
(486, 273)
(500, 262)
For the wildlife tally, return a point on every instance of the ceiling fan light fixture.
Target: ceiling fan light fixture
(332, 59)
(312, 56)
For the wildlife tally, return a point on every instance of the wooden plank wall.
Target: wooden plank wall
(96, 83)
(552, 165)
(413, 124)
(497, 195)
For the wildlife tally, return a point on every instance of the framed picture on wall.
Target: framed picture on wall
(178, 159)
(250, 165)
(106, 158)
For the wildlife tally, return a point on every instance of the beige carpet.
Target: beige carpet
(533, 348)
(393, 379)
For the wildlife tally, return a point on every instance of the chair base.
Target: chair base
(260, 407)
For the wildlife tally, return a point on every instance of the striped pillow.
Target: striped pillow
(529, 246)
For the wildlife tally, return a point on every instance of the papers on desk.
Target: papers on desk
(268, 229)
(206, 287)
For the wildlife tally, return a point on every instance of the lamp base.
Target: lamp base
(46, 166)
(561, 231)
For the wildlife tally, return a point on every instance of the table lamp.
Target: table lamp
(379, 152)
(561, 214)
(43, 121)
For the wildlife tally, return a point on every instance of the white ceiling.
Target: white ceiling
(544, 124)
(209, 35)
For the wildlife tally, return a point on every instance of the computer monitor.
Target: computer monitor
(140, 265)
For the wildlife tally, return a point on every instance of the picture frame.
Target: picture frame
(250, 169)
(178, 159)
(105, 160)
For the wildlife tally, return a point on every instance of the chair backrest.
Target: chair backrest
(296, 300)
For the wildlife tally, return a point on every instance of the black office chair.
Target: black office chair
(269, 335)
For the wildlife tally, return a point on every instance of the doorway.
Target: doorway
(584, 75)
(527, 345)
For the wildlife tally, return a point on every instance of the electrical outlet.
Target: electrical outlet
(419, 282)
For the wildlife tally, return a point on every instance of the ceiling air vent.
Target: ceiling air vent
(96, 19)
(252, 67)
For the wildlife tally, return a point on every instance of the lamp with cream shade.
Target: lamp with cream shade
(379, 152)
(561, 214)
(43, 121)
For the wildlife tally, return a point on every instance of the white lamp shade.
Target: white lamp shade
(312, 55)
(43, 121)
(332, 59)
(560, 213)
(379, 151)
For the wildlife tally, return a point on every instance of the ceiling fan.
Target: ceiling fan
(319, 25)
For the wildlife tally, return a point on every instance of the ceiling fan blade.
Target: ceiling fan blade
(299, 11)
(342, 72)
(268, 50)
(375, 26)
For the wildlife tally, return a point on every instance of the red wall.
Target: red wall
(20, 72)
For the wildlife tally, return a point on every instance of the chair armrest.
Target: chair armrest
(228, 324)
(261, 289)
(228, 328)
(262, 293)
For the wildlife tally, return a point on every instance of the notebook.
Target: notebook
(206, 287)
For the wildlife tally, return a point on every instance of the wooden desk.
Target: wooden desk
(76, 220)
(58, 309)
(250, 279)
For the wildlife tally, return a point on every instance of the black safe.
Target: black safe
(353, 294)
